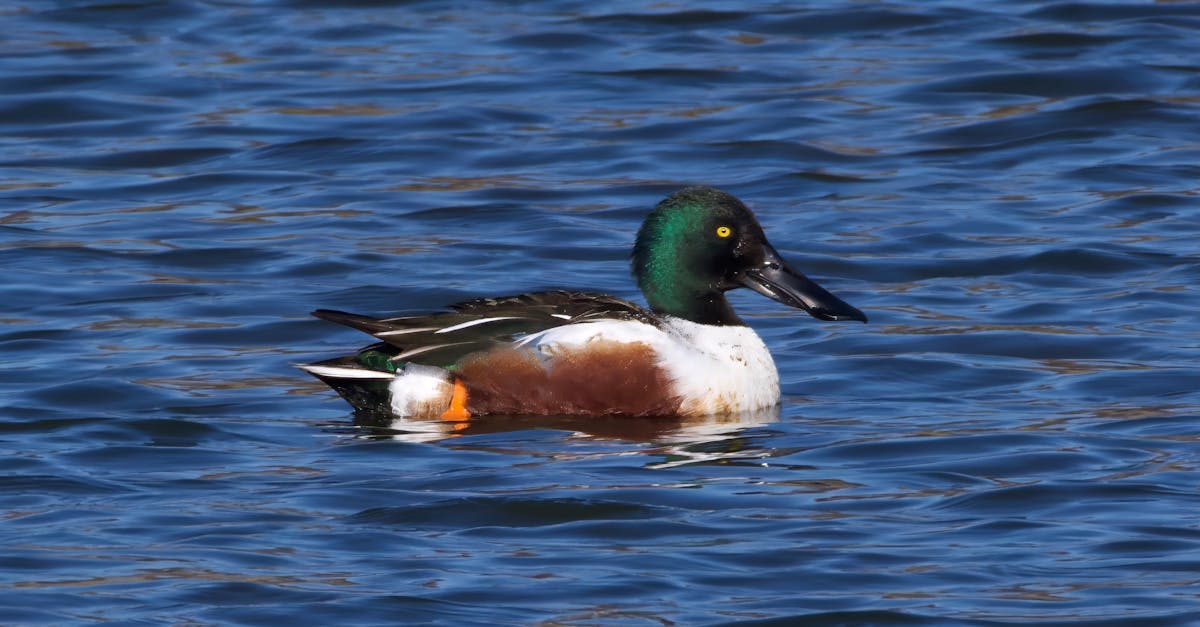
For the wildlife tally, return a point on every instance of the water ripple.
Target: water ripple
(1007, 188)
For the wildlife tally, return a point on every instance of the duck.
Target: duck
(577, 353)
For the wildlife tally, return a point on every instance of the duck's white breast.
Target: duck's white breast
(720, 369)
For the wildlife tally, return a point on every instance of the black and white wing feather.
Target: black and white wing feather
(442, 339)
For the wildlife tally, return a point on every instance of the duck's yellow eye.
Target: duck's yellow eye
(724, 231)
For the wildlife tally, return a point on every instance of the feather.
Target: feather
(443, 339)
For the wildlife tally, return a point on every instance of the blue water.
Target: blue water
(1008, 189)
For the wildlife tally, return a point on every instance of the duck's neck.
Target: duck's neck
(708, 307)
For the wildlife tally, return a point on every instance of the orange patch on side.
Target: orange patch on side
(458, 403)
(601, 378)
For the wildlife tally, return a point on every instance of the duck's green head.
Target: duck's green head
(702, 242)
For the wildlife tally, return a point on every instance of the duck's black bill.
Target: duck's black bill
(778, 281)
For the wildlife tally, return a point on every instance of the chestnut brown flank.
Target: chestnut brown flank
(601, 379)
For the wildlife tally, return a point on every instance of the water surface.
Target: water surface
(1008, 189)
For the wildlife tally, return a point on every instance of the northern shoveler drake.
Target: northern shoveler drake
(578, 353)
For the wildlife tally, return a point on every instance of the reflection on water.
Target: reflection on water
(679, 440)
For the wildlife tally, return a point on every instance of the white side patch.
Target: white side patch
(420, 391)
(345, 373)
